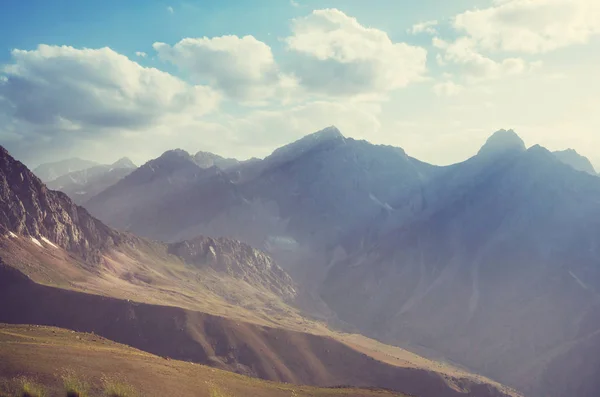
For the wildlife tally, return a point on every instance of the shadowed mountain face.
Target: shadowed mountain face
(499, 273)
(575, 160)
(84, 184)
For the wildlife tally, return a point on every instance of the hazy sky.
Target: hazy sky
(101, 80)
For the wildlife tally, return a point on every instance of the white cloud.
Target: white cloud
(531, 26)
(294, 3)
(241, 67)
(141, 54)
(424, 27)
(475, 66)
(447, 89)
(336, 55)
(262, 131)
(170, 9)
(58, 95)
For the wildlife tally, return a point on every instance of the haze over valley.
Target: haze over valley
(300, 199)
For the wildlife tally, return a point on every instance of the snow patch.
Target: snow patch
(379, 203)
(581, 283)
(36, 241)
(212, 250)
(11, 234)
(44, 239)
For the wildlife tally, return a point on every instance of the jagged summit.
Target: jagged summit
(325, 138)
(331, 132)
(208, 160)
(123, 162)
(28, 207)
(502, 141)
(575, 160)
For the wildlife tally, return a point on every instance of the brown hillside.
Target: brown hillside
(268, 353)
(44, 353)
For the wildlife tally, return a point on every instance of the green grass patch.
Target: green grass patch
(29, 388)
(74, 386)
(118, 388)
(216, 392)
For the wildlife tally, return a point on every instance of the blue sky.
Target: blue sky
(242, 77)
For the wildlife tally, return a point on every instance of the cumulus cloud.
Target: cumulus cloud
(447, 89)
(531, 26)
(336, 55)
(241, 67)
(424, 27)
(475, 66)
(141, 54)
(56, 97)
(65, 86)
(294, 3)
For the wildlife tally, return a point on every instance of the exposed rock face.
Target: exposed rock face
(50, 171)
(80, 186)
(502, 142)
(575, 160)
(238, 260)
(28, 207)
(207, 160)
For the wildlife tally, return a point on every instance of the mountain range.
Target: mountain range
(212, 301)
(491, 263)
(83, 184)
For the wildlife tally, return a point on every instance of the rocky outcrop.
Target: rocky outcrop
(28, 207)
(238, 260)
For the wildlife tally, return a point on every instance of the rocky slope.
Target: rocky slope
(238, 260)
(46, 218)
(28, 207)
(84, 184)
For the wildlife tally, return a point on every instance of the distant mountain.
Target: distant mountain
(207, 160)
(163, 196)
(44, 218)
(575, 160)
(50, 171)
(82, 185)
(498, 272)
(297, 203)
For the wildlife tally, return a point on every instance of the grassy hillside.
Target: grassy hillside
(44, 355)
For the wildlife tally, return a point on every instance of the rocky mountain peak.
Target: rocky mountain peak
(208, 160)
(235, 259)
(501, 142)
(326, 138)
(29, 208)
(124, 162)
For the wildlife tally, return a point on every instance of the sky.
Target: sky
(103, 80)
